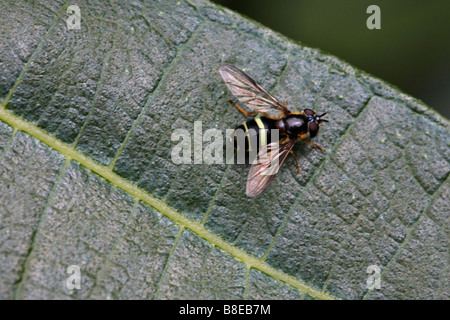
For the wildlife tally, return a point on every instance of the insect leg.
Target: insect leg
(314, 145)
(244, 112)
(296, 162)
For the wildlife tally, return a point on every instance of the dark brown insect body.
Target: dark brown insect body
(292, 126)
(301, 125)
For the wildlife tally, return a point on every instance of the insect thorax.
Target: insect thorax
(294, 124)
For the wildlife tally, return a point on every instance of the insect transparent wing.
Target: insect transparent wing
(266, 165)
(247, 91)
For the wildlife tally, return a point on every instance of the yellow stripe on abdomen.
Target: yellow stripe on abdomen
(262, 132)
(248, 135)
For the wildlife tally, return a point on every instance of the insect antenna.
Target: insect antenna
(323, 114)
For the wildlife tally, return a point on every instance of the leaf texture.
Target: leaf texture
(86, 176)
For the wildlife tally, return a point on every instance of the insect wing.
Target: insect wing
(247, 91)
(266, 165)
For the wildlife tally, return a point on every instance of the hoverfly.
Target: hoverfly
(293, 126)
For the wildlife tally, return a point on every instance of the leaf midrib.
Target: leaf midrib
(139, 194)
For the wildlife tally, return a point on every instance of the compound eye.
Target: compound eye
(313, 129)
(308, 112)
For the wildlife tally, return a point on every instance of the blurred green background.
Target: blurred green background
(410, 51)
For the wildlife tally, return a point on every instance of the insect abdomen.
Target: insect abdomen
(257, 130)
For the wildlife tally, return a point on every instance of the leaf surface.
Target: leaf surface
(87, 178)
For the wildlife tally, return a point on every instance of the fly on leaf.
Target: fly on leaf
(293, 126)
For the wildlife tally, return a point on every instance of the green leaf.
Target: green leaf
(87, 178)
